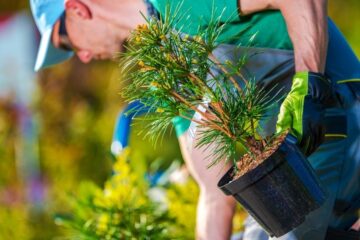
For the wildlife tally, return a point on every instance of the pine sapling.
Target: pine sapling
(173, 74)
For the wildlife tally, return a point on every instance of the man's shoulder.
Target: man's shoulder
(263, 29)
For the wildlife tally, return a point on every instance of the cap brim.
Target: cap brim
(48, 55)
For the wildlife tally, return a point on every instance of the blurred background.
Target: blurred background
(56, 129)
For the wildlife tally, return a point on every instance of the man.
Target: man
(96, 30)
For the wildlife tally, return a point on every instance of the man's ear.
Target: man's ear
(81, 9)
(85, 56)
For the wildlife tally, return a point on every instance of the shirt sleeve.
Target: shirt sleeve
(227, 10)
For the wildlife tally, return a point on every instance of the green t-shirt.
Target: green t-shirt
(269, 26)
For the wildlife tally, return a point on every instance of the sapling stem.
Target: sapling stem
(194, 77)
(211, 124)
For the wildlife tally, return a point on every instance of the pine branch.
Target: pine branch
(175, 76)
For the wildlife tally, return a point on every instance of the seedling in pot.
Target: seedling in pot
(174, 75)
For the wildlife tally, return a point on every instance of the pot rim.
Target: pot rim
(231, 186)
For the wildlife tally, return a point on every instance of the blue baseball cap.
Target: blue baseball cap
(46, 13)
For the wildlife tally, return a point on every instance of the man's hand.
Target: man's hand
(302, 111)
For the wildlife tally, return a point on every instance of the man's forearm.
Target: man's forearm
(306, 22)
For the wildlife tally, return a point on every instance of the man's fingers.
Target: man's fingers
(356, 226)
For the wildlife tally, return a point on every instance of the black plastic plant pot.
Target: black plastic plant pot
(280, 192)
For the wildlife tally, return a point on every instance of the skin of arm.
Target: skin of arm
(306, 22)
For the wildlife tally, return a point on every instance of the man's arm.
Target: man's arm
(306, 22)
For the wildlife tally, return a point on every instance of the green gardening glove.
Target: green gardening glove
(303, 110)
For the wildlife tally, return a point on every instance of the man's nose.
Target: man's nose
(85, 56)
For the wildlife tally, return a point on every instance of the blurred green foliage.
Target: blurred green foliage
(122, 210)
(14, 5)
(76, 106)
(346, 15)
(182, 203)
(13, 222)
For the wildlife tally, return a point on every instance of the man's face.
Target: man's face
(91, 35)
